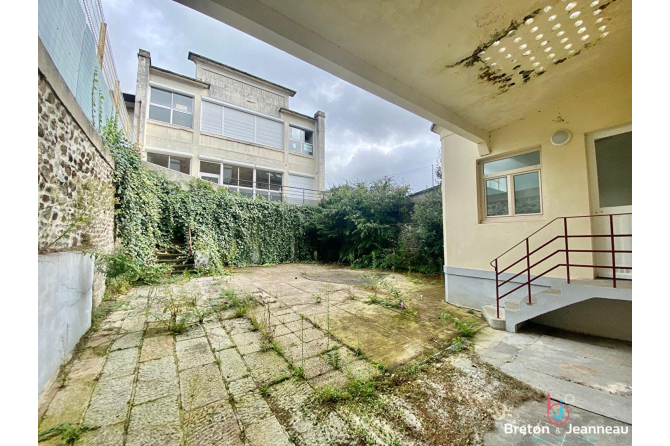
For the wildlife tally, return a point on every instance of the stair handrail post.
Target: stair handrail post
(567, 250)
(528, 268)
(497, 293)
(613, 251)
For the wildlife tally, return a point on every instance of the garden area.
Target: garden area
(306, 325)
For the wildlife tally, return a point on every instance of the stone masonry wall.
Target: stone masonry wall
(74, 175)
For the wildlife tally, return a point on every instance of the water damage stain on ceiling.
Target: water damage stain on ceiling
(542, 39)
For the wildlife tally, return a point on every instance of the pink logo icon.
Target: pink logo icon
(557, 413)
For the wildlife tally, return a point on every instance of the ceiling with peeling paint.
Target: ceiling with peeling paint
(479, 63)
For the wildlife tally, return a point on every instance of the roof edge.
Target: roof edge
(192, 56)
(180, 76)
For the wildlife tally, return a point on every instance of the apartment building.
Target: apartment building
(230, 128)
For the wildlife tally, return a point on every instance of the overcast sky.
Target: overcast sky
(366, 137)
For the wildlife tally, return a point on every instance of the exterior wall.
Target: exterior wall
(72, 162)
(471, 244)
(594, 317)
(65, 298)
(236, 89)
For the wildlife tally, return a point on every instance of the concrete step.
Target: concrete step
(490, 314)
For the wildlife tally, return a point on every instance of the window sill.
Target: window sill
(171, 126)
(240, 141)
(301, 154)
(513, 219)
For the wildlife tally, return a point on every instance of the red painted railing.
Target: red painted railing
(567, 250)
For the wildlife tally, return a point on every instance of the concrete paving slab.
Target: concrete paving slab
(200, 386)
(231, 364)
(157, 347)
(212, 425)
(109, 403)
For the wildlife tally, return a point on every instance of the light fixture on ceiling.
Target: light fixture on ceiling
(561, 137)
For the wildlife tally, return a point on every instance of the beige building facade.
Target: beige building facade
(230, 128)
(532, 102)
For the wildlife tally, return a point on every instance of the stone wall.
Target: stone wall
(75, 207)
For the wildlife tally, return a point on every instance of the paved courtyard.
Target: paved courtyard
(220, 382)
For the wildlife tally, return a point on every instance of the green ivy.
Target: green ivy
(363, 225)
(227, 229)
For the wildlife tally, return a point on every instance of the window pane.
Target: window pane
(182, 119)
(159, 114)
(275, 181)
(527, 193)
(274, 196)
(157, 158)
(309, 137)
(230, 175)
(214, 180)
(212, 168)
(262, 179)
(161, 97)
(182, 103)
(307, 149)
(249, 193)
(515, 162)
(496, 197)
(182, 165)
(246, 177)
(614, 161)
(296, 134)
(295, 146)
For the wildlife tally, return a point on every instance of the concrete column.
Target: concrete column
(142, 98)
(450, 143)
(320, 148)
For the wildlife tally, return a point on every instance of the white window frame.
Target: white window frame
(302, 143)
(170, 155)
(172, 92)
(509, 175)
(253, 113)
(254, 190)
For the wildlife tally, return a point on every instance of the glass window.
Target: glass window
(158, 159)
(300, 141)
(246, 176)
(296, 134)
(211, 168)
(614, 161)
(210, 179)
(161, 97)
(182, 119)
(182, 103)
(512, 163)
(228, 175)
(262, 179)
(527, 193)
(173, 108)
(177, 163)
(496, 197)
(275, 181)
(512, 185)
(159, 114)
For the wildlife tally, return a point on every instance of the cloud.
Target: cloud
(366, 137)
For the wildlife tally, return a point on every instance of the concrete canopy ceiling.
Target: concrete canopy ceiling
(428, 56)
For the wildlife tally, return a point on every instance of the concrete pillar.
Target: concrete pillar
(320, 148)
(450, 143)
(142, 97)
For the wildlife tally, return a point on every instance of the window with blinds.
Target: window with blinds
(237, 124)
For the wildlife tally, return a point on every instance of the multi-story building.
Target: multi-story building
(230, 128)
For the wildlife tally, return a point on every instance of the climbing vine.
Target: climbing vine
(224, 228)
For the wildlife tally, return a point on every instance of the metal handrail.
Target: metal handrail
(612, 236)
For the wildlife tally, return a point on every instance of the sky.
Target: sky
(366, 136)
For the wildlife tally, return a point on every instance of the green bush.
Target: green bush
(363, 225)
(360, 224)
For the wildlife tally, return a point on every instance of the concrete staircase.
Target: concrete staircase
(177, 258)
(518, 311)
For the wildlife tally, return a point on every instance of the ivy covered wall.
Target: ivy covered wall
(226, 229)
